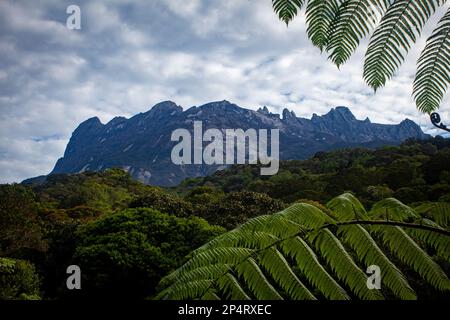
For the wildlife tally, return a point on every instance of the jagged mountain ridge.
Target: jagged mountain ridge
(141, 145)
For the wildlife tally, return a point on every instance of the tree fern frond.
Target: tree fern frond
(307, 215)
(277, 224)
(209, 272)
(391, 41)
(187, 290)
(394, 210)
(368, 251)
(437, 241)
(257, 281)
(311, 268)
(413, 256)
(319, 18)
(354, 21)
(347, 207)
(233, 289)
(243, 238)
(433, 73)
(293, 254)
(343, 265)
(437, 211)
(210, 295)
(280, 270)
(287, 9)
(211, 256)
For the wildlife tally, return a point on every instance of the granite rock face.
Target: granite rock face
(142, 145)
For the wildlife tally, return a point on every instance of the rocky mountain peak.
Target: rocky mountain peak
(408, 123)
(263, 110)
(89, 125)
(340, 113)
(116, 121)
(289, 115)
(220, 105)
(166, 107)
(142, 144)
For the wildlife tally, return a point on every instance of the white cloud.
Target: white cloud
(130, 55)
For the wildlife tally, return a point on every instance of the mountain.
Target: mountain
(142, 144)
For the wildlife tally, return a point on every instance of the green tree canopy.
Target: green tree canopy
(126, 254)
(20, 228)
(18, 280)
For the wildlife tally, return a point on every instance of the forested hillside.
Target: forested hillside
(413, 172)
(127, 236)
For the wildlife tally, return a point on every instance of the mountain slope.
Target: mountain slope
(142, 144)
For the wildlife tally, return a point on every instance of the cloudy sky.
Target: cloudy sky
(130, 55)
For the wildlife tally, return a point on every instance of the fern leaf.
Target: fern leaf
(211, 256)
(433, 73)
(280, 270)
(307, 216)
(391, 41)
(394, 210)
(232, 287)
(293, 253)
(354, 21)
(287, 9)
(437, 211)
(243, 238)
(187, 290)
(257, 281)
(311, 268)
(368, 251)
(319, 18)
(434, 240)
(438, 242)
(346, 207)
(413, 256)
(277, 224)
(211, 295)
(343, 265)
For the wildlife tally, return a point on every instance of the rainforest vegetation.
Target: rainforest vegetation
(308, 232)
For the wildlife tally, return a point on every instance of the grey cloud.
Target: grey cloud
(129, 55)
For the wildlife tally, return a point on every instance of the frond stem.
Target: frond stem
(389, 223)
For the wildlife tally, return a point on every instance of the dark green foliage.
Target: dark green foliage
(413, 172)
(125, 236)
(163, 202)
(107, 191)
(203, 196)
(437, 166)
(410, 195)
(20, 229)
(287, 9)
(18, 280)
(126, 254)
(236, 208)
(432, 76)
(79, 219)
